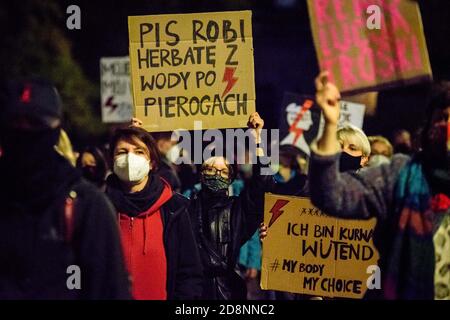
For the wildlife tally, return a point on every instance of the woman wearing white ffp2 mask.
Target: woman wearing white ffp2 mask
(131, 167)
(153, 220)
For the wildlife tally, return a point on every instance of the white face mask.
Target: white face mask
(131, 167)
(377, 160)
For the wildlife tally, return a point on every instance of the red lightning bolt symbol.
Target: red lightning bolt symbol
(109, 103)
(228, 77)
(276, 210)
(293, 128)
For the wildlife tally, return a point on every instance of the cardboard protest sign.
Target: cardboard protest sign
(308, 252)
(188, 67)
(115, 89)
(352, 113)
(360, 58)
(301, 120)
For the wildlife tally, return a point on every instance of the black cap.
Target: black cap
(34, 100)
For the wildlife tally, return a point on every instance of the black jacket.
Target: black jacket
(184, 269)
(235, 220)
(36, 249)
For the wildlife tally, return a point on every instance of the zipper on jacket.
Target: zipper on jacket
(130, 261)
(131, 222)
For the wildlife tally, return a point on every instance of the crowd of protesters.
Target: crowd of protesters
(120, 216)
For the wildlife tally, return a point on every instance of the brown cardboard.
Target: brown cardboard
(361, 59)
(288, 264)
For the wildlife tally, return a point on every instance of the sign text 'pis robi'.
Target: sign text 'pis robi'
(193, 66)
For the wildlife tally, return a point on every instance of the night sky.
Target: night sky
(284, 54)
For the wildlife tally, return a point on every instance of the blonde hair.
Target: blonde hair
(383, 140)
(350, 132)
(211, 161)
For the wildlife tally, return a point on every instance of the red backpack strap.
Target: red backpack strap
(69, 216)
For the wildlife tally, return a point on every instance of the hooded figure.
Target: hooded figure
(223, 223)
(50, 218)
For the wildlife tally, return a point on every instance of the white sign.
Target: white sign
(351, 113)
(115, 89)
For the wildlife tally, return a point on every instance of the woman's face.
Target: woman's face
(135, 146)
(380, 148)
(218, 165)
(351, 148)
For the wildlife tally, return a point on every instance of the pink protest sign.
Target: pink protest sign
(361, 57)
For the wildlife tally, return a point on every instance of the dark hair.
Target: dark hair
(439, 100)
(100, 160)
(132, 133)
(163, 135)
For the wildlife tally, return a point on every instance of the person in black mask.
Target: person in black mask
(93, 166)
(409, 197)
(222, 223)
(355, 148)
(50, 217)
(289, 178)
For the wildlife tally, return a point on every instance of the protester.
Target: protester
(187, 172)
(250, 252)
(289, 179)
(355, 148)
(52, 221)
(93, 166)
(160, 248)
(223, 223)
(402, 143)
(381, 151)
(166, 169)
(407, 196)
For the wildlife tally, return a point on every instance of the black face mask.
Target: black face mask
(436, 148)
(27, 149)
(215, 183)
(349, 163)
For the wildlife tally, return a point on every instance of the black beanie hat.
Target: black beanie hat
(34, 99)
